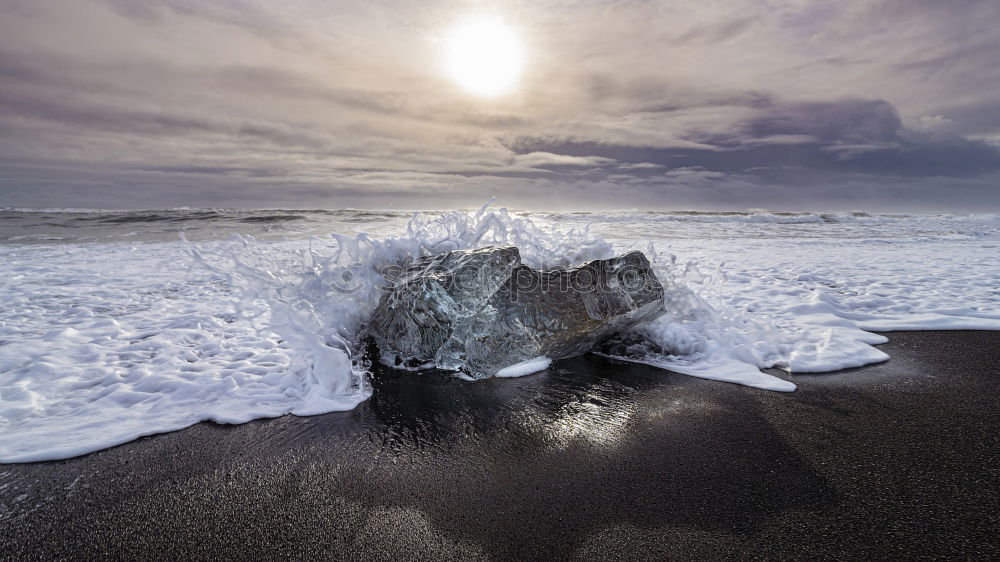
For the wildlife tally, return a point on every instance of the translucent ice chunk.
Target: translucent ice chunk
(479, 311)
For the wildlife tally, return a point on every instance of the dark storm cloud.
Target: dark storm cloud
(864, 136)
(807, 146)
(312, 103)
(851, 121)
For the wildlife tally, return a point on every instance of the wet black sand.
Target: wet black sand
(594, 459)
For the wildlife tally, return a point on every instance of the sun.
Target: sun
(484, 56)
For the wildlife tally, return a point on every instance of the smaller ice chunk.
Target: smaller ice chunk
(524, 368)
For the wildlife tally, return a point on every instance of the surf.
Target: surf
(103, 342)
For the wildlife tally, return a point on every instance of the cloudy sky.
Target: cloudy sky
(673, 104)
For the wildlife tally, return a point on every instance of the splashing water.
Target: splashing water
(101, 343)
(325, 302)
(320, 303)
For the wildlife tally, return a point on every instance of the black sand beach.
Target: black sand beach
(593, 460)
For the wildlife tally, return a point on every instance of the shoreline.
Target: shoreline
(593, 459)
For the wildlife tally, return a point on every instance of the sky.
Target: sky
(876, 105)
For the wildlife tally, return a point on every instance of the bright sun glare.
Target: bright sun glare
(484, 56)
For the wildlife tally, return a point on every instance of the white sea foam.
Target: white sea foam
(103, 343)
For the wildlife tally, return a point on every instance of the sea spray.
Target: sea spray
(334, 295)
(319, 300)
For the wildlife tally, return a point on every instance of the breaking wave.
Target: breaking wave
(100, 344)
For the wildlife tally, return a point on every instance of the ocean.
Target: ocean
(119, 324)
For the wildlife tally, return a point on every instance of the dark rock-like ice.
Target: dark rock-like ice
(479, 311)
